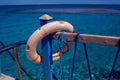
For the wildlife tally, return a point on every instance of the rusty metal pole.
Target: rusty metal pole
(17, 63)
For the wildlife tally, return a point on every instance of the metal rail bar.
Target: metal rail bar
(11, 46)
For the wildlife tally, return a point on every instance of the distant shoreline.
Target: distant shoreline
(71, 10)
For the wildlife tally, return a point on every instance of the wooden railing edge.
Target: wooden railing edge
(91, 39)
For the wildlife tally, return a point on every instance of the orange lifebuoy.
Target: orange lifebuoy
(43, 31)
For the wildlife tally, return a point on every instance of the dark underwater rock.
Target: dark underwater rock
(116, 74)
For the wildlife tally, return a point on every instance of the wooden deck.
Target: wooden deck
(5, 77)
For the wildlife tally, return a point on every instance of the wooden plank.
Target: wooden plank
(92, 39)
(5, 77)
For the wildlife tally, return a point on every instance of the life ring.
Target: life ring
(43, 31)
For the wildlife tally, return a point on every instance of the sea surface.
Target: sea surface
(18, 22)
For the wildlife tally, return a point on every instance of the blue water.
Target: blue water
(18, 23)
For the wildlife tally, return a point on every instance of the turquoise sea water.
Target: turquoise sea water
(19, 22)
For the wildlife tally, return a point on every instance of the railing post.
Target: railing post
(46, 51)
(0, 69)
(17, 63)
(0, 65)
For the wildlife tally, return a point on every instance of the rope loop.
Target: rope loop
(74, 55)
(61, 40)
(61, 43)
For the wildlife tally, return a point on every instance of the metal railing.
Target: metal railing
(15, 58)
